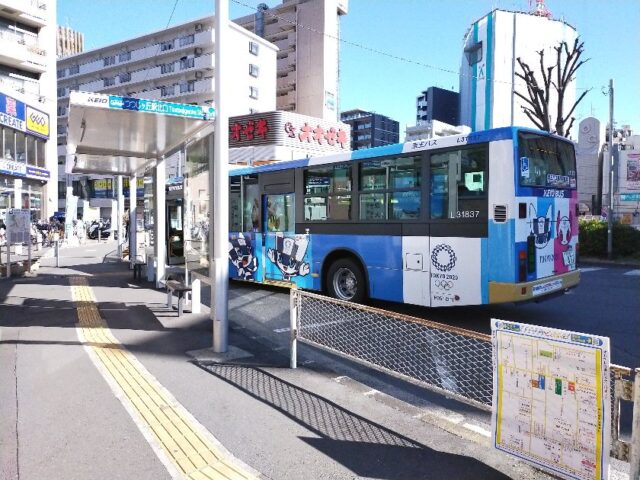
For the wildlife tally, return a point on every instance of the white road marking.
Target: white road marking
(590, 269)
(281, 330)
(633, 273)
(475, 428)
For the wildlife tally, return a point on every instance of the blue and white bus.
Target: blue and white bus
(483, 218)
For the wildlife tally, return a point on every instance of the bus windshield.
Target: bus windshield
(546, 162)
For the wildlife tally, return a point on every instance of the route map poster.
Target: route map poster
(551, 399)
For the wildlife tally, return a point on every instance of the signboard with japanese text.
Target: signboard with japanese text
(19, 169)
(551, 398)
(12, 112)
(18, 223)
(289, 129)
(633, 171)
(141, 105)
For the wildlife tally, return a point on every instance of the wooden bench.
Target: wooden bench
(137, 269)
(180, 289)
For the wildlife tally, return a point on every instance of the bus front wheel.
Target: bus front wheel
(345, 281)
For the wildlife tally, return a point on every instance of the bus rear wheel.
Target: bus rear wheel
(345, 281)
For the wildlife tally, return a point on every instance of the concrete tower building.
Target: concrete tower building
(68, 42)
(487, 73)
(28, 172)
(306, 33)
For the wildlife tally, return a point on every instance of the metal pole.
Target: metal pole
(120, 204)
(57, 251)
(611, 176)
(635, 430)
(293, 324)
(159, 221)
(133, 217)
(220, 183)
(8, 256)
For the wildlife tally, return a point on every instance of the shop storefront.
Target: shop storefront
(24, 131)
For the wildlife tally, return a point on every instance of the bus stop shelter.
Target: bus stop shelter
(121, 136)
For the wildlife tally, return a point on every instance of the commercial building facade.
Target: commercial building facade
(370, 129)
(28, 176)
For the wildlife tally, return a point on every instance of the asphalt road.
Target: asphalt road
(607, 303)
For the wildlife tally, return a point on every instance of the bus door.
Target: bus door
(280, 249)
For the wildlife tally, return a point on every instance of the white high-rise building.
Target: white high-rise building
(172, 65)
(28, 171)
(307, 33)
(489, 65)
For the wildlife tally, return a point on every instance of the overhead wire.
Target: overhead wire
(375, 50)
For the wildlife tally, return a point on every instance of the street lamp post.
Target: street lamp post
(611, 176)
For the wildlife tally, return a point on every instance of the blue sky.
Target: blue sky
(426, 34)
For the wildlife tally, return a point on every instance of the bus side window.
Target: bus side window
(458, 187)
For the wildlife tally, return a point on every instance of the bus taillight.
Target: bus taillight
(531, 254)
(522, 265)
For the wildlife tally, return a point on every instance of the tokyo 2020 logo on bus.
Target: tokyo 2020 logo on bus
(443, 258)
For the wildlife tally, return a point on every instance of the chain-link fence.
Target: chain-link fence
(446, 359)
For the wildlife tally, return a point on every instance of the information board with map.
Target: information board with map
(551, 399)
(18, 223)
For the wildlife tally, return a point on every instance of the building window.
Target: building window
(62, 91)
(73, 69)
(167, 67)
(186, 40)
(124, 57)
(253, 92)
(62, 111)
(164, 46)
(109, 81)
(125, 77)
(166, 91)
(327, 193)
(111, 60)
(40, 155)
(186, 63)
(62, 73)
(254, 70)
(253, 48)
(187, 86)
(474, 53)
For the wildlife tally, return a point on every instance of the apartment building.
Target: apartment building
(370, 129)
(27, 104)
(173, 65)
(306, 33)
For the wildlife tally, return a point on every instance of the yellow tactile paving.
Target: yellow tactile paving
(193, 453)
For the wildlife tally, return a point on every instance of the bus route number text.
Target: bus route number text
(466, 214)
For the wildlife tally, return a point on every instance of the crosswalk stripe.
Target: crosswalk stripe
(590, 269)
(633, 272)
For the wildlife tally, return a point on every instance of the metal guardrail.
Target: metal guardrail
(446, 359)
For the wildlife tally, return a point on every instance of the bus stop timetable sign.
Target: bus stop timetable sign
(551, 399)
(117, 102)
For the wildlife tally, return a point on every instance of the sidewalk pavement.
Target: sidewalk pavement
(95, 382)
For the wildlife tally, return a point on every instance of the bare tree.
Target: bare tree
(538, 96)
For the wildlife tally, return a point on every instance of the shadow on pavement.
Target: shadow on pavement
(366, 448)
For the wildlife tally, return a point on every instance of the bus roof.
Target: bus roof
(503, 133)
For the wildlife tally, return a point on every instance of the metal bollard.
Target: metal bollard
(56, 248)
(635, 430)
(293, 319)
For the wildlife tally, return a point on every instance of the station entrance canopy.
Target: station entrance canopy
(114, 135)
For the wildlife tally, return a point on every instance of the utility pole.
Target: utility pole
(219, 181)
(611, 176)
